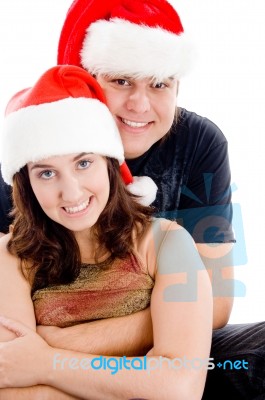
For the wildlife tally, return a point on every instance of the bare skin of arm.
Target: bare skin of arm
(35, 392)
(175, 336)
(218, 260)
(129, 335)
(124, 336)
(15, 290)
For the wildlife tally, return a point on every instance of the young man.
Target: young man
(138, 52)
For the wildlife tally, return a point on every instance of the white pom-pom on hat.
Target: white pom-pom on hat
(145, 188)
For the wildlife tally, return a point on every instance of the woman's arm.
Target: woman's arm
(182, 321)
(35, 392)
(15, 302)
(117, 336)
(15, 298)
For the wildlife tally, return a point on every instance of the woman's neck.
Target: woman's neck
(90, 250)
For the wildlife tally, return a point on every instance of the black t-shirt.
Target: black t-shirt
(190, 166)
(5, 205)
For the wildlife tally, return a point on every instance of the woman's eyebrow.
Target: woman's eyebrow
(80, 155)
(51, 166)
(40, 166)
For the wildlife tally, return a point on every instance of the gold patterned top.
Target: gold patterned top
(113, 288)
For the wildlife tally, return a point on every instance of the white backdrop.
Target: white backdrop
(227, 85)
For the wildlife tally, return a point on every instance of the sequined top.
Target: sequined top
(109, 289)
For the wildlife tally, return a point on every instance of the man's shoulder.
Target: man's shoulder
(191, 135)
(194, 127)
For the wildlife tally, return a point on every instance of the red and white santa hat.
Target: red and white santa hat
(136, 38)
(64, 112)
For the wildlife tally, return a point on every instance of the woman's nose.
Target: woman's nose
(71, 190)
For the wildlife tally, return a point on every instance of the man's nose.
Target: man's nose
(139, 101)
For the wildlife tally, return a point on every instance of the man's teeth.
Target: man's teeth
(72, 210)
(134, 124)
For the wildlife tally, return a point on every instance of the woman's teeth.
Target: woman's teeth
(72, 210)
(134, 124)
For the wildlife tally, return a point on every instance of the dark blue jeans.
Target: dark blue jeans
(239, 350)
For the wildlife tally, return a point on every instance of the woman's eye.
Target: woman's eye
(84, 164)
(47, 174)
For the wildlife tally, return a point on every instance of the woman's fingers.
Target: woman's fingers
(17, 328)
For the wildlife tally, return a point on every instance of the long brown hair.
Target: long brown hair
(51, 250)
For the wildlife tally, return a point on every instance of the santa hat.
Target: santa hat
(136, 38)
(64, 112)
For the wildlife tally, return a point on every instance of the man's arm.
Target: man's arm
(206, 211)
(215, 256)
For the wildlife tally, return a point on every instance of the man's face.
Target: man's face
(144, 111)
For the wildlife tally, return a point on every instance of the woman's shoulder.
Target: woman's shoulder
(7, 259)
(4, 253)
(159, 231)
(159, 228)
(9, 263)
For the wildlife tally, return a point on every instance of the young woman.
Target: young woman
(82, 248)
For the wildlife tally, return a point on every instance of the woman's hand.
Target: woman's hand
(25, 359)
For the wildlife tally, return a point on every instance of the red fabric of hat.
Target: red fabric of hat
(64, 112)
(145, 30)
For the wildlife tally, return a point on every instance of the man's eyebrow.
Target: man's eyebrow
(169, 78)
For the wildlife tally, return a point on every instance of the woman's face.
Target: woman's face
(72, 190)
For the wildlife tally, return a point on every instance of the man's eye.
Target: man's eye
(122, 82)
(159, 85)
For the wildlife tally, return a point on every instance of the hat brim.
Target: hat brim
(119, 47)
